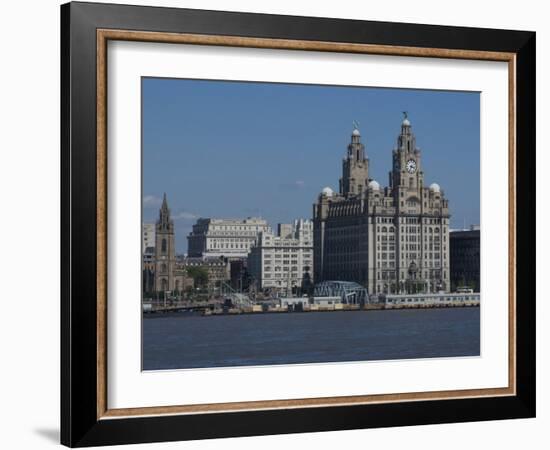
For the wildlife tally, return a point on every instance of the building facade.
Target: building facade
(147, 236)
(280, 262)
(391, 240)
(229, 238)
(217, 268)
(148, 270)
(465, 251)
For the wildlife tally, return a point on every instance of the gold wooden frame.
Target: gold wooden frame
(104, 35)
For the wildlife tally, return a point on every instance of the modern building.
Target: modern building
(147, 236)
(464, 251)
(229, 238)
(238, 274)
(392, 239)
(280, 262)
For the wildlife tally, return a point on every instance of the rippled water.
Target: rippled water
(186, 341)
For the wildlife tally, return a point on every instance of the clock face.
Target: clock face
(411, 166)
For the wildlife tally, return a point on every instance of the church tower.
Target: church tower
(165, 252)
(355, 167)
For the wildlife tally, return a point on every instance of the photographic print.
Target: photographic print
(280, 224)
(298, 224)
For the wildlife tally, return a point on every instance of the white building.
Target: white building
(231, 238)
(147, 236)
(280, 261)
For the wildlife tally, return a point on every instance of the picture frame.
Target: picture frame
(86, 418)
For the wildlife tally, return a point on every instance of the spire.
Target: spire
(165, 223)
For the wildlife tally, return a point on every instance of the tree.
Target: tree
(199, 275)
(307, 285)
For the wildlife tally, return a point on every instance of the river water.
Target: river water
(180, 341)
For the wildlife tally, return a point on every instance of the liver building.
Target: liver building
(391, 240)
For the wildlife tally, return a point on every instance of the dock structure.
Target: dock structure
(160, 306)
(236, 303)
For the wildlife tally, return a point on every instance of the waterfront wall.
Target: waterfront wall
(420, 301)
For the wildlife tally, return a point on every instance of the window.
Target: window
(163, 246)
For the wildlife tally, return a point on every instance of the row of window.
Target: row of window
(280, 257)
(237, 227)
(284, 243)
(409, 229)
(231, 233)
(436, 274)
(233, 239)
(407, 238)
(279, 275)
(412, 220)
(443, 299)
(414, 248)
(233, 245)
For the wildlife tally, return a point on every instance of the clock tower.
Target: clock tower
(406, 177)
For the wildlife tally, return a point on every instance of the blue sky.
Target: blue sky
(239, 149)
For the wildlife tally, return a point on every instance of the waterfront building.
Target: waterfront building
(281, 261)
(392, 239)
(294, 303)
(147, 236)
(217, 268)
(434, 300)
(238, 274)
(348, 292)
(229, 238)
(327, 302)
(464, 251)
(148, 270)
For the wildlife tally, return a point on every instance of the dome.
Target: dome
(406, 123)
(356, 132)
(374, 185)
(434, 187)
(327, 191)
